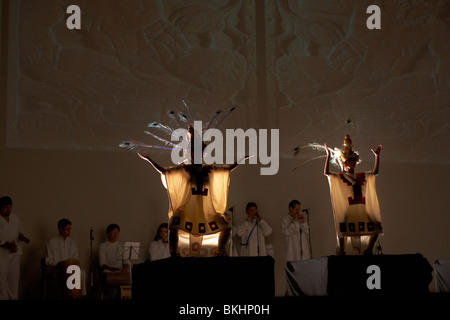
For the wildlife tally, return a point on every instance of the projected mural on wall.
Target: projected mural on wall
(310, 68)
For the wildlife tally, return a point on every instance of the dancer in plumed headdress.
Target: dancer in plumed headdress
(354, 198)
(197, 194)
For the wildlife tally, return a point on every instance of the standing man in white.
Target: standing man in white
(295, 230)
(253, 232)
(11, 234)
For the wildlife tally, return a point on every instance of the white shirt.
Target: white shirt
(9, 232)
(59, 249)
(296, 239)
(158, 250)
(110, 254)
(250, 233)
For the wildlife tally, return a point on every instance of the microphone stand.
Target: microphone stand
(379, 249)
(257, 233)
(309, 234)
(301, 244)
(91, 236)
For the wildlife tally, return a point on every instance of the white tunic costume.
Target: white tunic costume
(355, 204)
(197, 212)
(197, 202)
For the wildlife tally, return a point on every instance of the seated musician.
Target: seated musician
(159, 248)
(115, 270)
(62, 251)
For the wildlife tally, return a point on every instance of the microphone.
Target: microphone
(306, 210)
(231, 209)
(91, 236)
(257, 217)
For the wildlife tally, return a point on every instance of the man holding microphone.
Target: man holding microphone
(253, 232)
(295, 230)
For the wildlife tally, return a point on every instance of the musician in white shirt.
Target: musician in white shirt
(159, 248)
(61, 249)
(295, 230)
(110, 258)
(253, 232)
(110, 252)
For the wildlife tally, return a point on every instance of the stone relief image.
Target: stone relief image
(129, 65)
(309, 68)
(330, 74)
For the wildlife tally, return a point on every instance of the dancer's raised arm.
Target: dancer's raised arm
(237, 163)
(153, 163)
(326, 169)
(376, 152)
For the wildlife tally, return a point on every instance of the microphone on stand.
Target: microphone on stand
(307, 211)
(257, 217)
(257, 230)
(91, 237)
(227, 215)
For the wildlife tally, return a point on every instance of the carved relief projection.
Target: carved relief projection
(310, 68)
(329, 75)
(131, 62)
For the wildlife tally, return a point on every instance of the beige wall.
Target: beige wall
(96, 188)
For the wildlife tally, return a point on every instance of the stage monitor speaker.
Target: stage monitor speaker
(205, 278)
(395, 275)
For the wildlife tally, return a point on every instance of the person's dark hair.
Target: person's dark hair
(162, 225)
(5, 201)
(249, 205)
(63, 223)
(293, 203)
(111, 227)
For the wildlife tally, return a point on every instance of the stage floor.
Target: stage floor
(253, 277)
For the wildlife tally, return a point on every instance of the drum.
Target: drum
(64, 292)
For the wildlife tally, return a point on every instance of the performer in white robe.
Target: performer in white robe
(354, 199)
(11, 234)
(253, 232)
(295, 230)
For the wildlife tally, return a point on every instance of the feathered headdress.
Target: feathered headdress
(348, 152)
(181, 120)
(337, 156)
